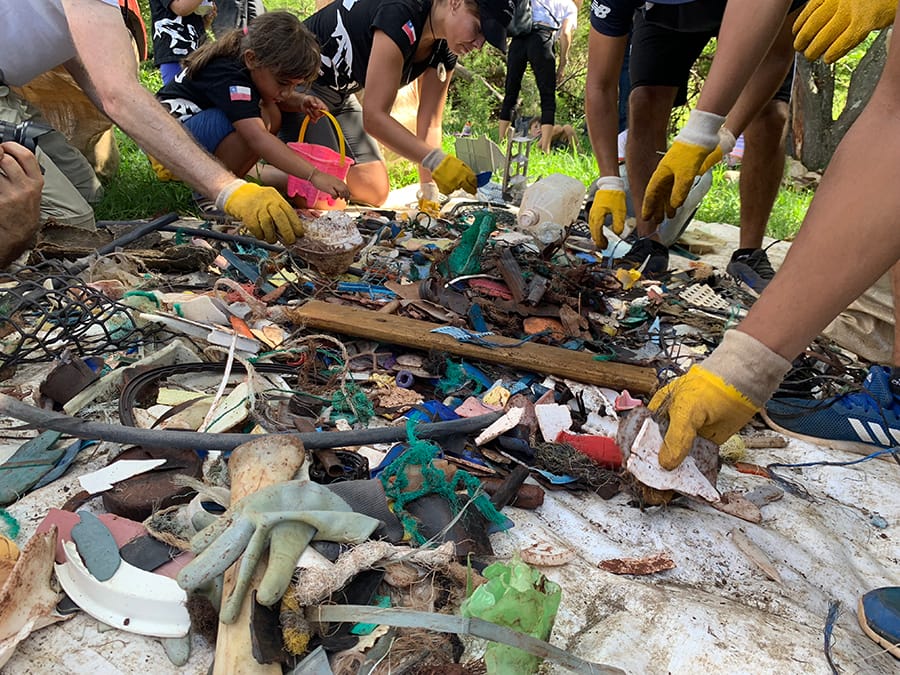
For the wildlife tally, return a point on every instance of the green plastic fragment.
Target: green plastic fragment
(519, 597)
(466, 256)
(383, 601)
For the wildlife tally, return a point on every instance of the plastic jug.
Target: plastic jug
(554, 199)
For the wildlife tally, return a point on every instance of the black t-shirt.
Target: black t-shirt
(225, 83)
(174, 37)
(345, 30)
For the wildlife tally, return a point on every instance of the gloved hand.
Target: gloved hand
(725, 146)
(718, 397)
(670, 183)
(834, 27)
(609, 200)
(262, 210)
(286, 517)
(163, 175)
(449, 173)
(429, 199)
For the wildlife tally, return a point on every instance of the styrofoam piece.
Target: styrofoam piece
(132, 600)
(600, 425)
(643, 464)
(512, 417)
(552, 419)
(101, 480)
(202, 310)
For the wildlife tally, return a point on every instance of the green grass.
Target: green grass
(723, 205)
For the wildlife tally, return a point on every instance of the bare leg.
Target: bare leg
(503, 129)
(570, 137)
(648, 109)
(546, 137)
(369, 183)
(235, 154)
(762, 170)
(832, 261)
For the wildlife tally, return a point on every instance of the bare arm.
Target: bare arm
(184, 7)
(837, 260)
(430, 115)
(382, 84)
(765, 81)
(749, 28)
(605, 56)
(268, 147)
(565, 42)
(104, 69)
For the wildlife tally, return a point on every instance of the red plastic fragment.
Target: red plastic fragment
(602, 449)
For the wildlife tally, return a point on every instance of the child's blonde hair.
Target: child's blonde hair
(279, 40)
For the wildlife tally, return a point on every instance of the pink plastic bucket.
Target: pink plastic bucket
(324, 159)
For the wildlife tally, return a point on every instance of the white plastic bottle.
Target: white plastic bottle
(554, 199)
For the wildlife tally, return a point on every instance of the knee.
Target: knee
(641, 106)
(769, 123)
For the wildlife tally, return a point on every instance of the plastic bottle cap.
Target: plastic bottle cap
(528, 218)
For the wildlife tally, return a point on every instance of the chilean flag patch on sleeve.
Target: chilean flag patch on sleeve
(410, 31)
(238, 93)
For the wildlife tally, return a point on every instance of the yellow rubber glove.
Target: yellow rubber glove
(162, 173)
(262, 210)
(449, 173)
(726, 145)
(834, 27)
(609, 200)
(672, 180)
(716, 399)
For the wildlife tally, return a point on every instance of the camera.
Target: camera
(24, 133)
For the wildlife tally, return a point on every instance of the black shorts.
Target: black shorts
(668, 39)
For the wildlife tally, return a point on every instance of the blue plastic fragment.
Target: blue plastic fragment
(372, 290)
(96, 546)
(437, 410)
(476, 318)
(575, 344)
(477, 375)
(63, 463)
(878, 521)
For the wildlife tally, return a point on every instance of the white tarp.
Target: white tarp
(715, 612)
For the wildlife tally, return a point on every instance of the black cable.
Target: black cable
(196, 440)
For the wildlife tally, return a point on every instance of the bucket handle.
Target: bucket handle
(337, 128)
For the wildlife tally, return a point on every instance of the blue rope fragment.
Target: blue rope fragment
(477, 338)
(834, 610)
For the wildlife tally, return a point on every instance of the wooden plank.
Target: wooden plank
(398, 330)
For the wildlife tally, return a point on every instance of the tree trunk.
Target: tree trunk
(815, 132)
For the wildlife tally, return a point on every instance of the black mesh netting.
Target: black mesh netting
(44, 310)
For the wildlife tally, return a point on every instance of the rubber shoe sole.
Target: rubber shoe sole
(856, 447)
(891, 647)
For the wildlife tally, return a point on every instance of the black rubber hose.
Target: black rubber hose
(195, 440)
